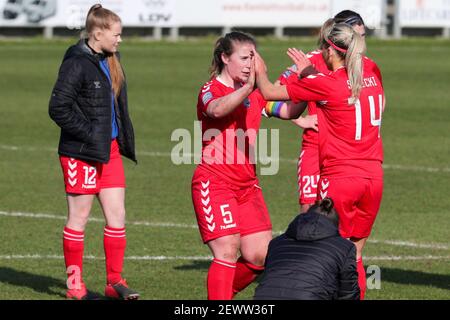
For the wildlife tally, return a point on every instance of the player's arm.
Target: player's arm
(63, 108)
(285, 110)
(223, 106)
(269, 91)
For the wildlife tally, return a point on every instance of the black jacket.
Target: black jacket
(81, 106)
(310, 261)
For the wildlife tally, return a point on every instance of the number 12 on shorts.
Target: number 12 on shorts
(373, 115)
(90, 174)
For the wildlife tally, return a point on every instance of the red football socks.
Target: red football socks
(73, 246)
(361, 277)
(220, 280)
(245, 274)
(114, 242)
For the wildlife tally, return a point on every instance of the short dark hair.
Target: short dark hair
(349, 17)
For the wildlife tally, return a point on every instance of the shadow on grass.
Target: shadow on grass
(39, 283)
(195, 265)
(410, 277)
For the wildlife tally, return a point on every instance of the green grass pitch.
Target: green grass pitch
(410, 240)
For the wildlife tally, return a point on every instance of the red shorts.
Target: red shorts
(82, 177)
(356, 200)
(308, 175)
(222, 209)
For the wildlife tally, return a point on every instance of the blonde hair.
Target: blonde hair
(325, 29)
(351, 47)
(102, 18)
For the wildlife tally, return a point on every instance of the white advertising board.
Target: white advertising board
(187, 13)
(72, 13)
(252, 13)
(424, 13)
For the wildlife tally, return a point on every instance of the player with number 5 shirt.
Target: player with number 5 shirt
(228, 201)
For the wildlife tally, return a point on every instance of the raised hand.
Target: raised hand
(252, 78)
(260, 65)
(299, 58)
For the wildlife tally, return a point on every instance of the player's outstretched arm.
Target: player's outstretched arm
(268, 90)
(285, 110)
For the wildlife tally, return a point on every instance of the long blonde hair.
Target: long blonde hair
(102, 18)
(350, 46)
(325, 30)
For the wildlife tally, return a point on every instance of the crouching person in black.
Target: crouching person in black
(311, 261)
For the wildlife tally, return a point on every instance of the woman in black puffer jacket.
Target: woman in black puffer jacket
(310, 261)
(89, 104)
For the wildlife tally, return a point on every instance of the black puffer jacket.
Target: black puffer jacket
(311, 261)
(81, 106)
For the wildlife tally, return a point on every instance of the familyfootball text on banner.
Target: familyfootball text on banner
(194, 13)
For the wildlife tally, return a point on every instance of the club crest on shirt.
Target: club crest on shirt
(246, 103)
(207, 97)
(287, 73)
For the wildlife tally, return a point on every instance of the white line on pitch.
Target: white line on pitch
(60, 217)
(400, 243)
(204, 258)
(168, 155)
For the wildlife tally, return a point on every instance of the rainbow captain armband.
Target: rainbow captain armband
(273, 108)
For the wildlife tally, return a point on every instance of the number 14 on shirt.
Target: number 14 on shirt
(374, 121)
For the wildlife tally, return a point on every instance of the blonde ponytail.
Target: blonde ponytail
(351, 47)
(325, 31)
(117, 76)
(354, 65)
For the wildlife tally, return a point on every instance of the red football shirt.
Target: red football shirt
(310, 136)
(228, 143)
(349, 135)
